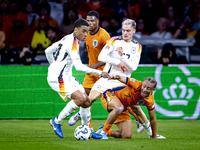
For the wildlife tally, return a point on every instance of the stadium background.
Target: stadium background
(25, 93)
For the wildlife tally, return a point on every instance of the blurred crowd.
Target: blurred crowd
(28, 27)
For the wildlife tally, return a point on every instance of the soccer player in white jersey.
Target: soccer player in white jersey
(60, 76)
(121, 55)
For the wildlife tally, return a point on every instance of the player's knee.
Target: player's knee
(119, 109)
(86, 102)
(82, 99)
(126, 135)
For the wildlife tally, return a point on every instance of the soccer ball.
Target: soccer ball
(82, 132)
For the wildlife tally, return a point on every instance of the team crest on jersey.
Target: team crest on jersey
(132, 79)
(95, 43)
(141, 102)
(133, 49)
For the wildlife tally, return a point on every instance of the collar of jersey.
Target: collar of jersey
(95, 32)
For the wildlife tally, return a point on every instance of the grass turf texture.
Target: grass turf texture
(38, 134)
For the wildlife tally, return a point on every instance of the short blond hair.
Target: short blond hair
(129, 21)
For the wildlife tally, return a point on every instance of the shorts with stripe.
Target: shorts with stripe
(66, 86)
(89, 80)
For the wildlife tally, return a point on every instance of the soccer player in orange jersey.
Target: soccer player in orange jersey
(95, 41)
(117, 99)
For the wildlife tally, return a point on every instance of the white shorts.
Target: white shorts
(103, 84)
(66, 86)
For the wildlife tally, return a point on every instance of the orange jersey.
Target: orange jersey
(130, 94)
(95, 43)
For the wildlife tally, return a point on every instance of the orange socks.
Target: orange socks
(109, 132)
(106, 127)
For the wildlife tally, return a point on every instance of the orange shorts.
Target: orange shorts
(89, 80)
(123, 116)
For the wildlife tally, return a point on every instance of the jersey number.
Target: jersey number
(58, 51)
(128, 55)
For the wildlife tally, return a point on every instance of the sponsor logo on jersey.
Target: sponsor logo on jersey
(132, 79)
(128, 95)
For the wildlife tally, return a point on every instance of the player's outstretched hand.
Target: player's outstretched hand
(105, 75)
(122, 66)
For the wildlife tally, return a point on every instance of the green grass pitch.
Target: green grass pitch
(39, 135)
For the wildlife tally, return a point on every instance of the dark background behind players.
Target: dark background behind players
(177, 12)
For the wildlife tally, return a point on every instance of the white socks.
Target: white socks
(147, 127)
(85, 115)
(68, 110)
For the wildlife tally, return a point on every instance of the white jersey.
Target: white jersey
(66, 54)
(131, 57)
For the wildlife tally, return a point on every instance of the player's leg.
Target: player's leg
(67, 110)
(123, 117)
(87, 91)
(140, 128)
(142, 118)
(68, 89)
(125, 129)
(72, 121)
(88, 82)
(114, 107)
(92, 96)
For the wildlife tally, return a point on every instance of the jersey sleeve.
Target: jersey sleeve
(106, 38)
(107, 49)
(149, 102)
(80, 67)
(133, 83)
(134, 59)
(74, 53)
(49, 52)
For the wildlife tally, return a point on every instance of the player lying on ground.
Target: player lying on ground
(117, 99)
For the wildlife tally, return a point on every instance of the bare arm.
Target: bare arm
(153, 122)
(120, 78)
(97, 65)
